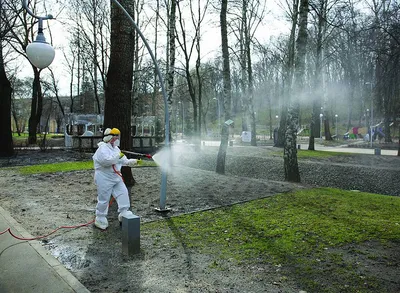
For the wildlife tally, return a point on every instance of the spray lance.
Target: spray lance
(138, 154)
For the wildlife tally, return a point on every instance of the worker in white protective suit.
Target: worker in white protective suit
(108, 161)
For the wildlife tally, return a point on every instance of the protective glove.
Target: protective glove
(139, 162)
(132, 162)
(121, 154)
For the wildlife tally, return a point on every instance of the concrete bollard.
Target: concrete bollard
(130, 235)
(377, 151)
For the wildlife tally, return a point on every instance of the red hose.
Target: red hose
(44, 236)
(61, 227)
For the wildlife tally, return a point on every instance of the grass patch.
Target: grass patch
(56, 167)
(319, 154)
(290, 229)
(304, 154)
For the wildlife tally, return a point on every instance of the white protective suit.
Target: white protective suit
(108, 178)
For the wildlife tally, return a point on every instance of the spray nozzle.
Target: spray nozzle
(139, 154)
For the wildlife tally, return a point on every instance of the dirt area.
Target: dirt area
(44, 202)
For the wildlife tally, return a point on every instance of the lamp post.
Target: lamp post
(176, 123)
(37, 52)
(367, 124)
(219, 112)
(183, 118)
(372, 109)
(336, 116)
(40, 53)
(320, 125)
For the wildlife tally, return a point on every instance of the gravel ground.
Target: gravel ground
(43, 202)
(369, 173)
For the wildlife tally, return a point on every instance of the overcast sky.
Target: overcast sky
(210, 47)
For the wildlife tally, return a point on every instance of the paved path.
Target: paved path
(27, 267)
(345, 149)
(319, 147)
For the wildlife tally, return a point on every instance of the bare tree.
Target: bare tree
(117, 110)
(70, 64)
(267, 81)
(90, 39)
(290, 151)
(227, 89)
(293, 15)
(187, 46)
(6, 145)
(20, 102)
(171, 49)
(20, 37)
(386, 43)
(247, 17)
(321, 11)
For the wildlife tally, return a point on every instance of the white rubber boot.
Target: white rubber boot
(124, 213)
(101, 223)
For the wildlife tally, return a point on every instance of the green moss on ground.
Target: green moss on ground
(297, 230)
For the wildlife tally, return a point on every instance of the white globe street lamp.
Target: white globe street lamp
(40, 53)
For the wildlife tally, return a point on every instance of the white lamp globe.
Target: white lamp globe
(40, 54)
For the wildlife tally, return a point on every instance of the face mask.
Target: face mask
(116, 143)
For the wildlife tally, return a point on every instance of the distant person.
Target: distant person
(108, 161)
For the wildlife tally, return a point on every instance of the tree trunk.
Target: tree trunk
(314, 129)
(291, 167)
(36, 107)
(227, 90)
(290, 153)
(6, 145)
(198, 75)
(117, 108)
(289, 76)
(171, 51)
(318, 78)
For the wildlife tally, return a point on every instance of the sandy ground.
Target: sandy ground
(44, 202)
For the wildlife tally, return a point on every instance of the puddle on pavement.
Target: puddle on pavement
(72, 259)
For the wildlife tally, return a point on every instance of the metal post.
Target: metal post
(320, 126)
(219, 113)
(40, 18)
(130, 234)
(372, 115)
(176, 122)
(336, 116)
(183, 119)
(372, 109)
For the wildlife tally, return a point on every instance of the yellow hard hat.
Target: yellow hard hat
(109, 133)
(115, 131)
